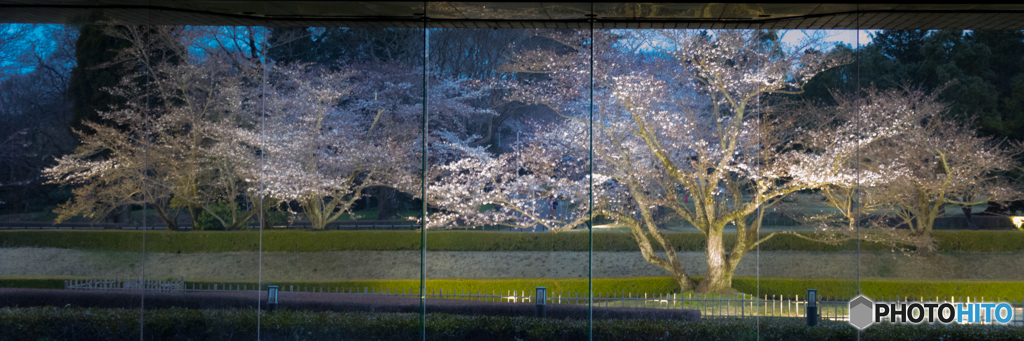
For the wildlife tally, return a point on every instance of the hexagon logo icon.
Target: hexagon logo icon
(861, 311)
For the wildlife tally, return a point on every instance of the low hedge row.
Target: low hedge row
(630, 286)
(874, 287)
(322, 302)
(639, 286)
(307, 241)
(49, 323)
(37, 282)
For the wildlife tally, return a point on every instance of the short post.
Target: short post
(271, 298)
(812, 307)
(542, 299)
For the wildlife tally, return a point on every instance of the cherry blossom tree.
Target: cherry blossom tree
(692, 124)
(174, 142)
(331, 135)
(863, 124)
(388, 96)
(938, 162)
(204, 129)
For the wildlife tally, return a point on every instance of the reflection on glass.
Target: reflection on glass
(74, 156)
(822, 216)
(509, 188)
(729, 173)
(202, 163)
(947, 179)
(341, 168)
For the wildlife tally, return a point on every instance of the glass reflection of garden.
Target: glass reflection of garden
(723, 172)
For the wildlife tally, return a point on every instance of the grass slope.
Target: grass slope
(308, 241)
(827, 287)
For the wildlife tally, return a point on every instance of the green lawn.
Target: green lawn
(828, 288)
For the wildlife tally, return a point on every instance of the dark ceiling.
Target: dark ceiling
(523, 14)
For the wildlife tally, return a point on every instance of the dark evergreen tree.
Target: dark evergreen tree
(94, 50)
(982, 73)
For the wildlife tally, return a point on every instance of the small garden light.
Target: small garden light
(812, 307)
(542, 299)
(271, 298)
(1018, 221)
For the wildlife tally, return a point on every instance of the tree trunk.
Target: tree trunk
(718, 278)
(387, 203)
(171, 222)
(194, 211)
(685, 283)
(312, 208)
(967, 214)
(122, 215)
(924, 227)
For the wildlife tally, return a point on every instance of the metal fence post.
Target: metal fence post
(271, 298)
(812, 307)
(542, 301)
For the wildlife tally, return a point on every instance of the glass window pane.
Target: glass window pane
(342, 170)
(807, 263)
(73, 195)
(948, 178)
(509, 161)
(203, 158)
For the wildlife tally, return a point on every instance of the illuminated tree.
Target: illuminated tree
(173, 141)
(866, 125)
(317, 152)
(693, 124)
(936, 162)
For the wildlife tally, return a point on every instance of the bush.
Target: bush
(49, 323)
(882, 288)
(980, 241)
(310, 241)
(634, 286)
(37, 282)
(324, 302)
(208, 222)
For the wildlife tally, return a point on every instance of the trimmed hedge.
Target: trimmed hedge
(566, 286)
(322, 302)
(980, 241)
(49, 323)
(882, 287)
(659, 285)
(618, 286)
(309, 241)
(36, 282)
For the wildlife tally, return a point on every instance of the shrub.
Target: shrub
(324, 302)
(207, 221)
(49, 323)
(634, 286)
(661, 285)
(980, 241)
(566, 286)
(37, 282)
(882, 288)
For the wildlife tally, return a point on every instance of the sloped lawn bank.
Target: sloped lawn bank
(635, 286)
(320, 241)
(49, 323)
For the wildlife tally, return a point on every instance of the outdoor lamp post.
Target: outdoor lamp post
(542, 300)
(271, 298)
(812, 307)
